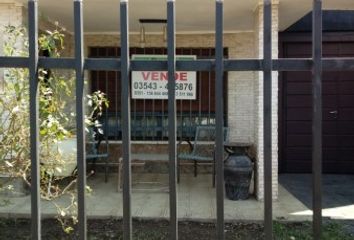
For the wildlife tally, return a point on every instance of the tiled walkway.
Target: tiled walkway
(196, 201)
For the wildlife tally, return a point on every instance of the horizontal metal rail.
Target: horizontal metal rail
(111, 64)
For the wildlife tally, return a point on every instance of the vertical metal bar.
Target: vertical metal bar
(114, 98)
(116, 131)
(164, 126)
(171, 54)
(267, 108)
(190, 114)
(181, 118)
(135, 124)
(106, 119)
(200, 97)
(80, 117)
(152, 127)
(219, 115)
(162, 119)
(190, 121)
(34, 116)
(144, 121)
(125, 94)
(317, 117)
(209, 97)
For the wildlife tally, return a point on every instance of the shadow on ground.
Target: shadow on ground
(338, 191)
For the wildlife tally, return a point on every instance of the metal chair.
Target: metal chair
(95, 151)
(202, 150)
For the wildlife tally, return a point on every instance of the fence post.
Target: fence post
(80, 118)
(125, 95)
(267, 111)
(34, 119)
(317, 117)
(171, 62)
(219, 118)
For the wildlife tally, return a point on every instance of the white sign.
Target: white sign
(154, 84)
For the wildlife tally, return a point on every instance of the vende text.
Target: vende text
(163, 76)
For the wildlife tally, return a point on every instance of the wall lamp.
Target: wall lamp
(144, 22)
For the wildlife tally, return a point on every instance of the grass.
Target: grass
(296, 231)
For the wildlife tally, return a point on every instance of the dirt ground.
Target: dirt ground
(158, 230)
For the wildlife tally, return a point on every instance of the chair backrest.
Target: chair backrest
(94, 140)
(204, 140)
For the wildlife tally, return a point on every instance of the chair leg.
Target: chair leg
(119, 175)
(178, 171)
(93, 169)
(106, 171)
(214, 172)
(195, 168)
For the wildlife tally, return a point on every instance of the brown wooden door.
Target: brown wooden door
(296, 113)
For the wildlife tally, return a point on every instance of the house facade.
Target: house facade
(243, 38)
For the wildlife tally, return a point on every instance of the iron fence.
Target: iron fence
(219, 65)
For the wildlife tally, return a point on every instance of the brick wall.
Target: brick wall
(258, 95)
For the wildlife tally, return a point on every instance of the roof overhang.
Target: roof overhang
(191, 15)
(290, 11)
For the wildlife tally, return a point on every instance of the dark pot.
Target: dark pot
(238, 174)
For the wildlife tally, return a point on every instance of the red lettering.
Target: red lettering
(183, 76)
(155, 76)
(163, 76)
(146, 75)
